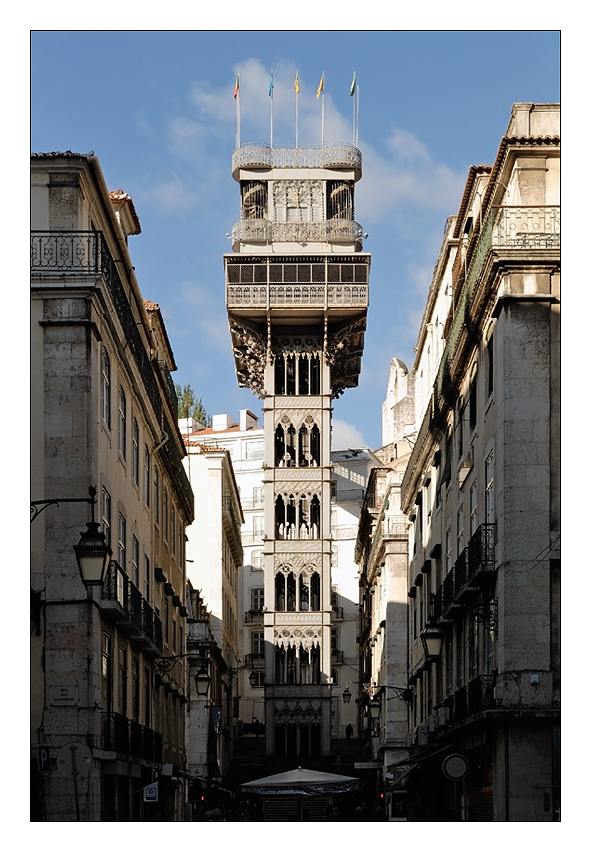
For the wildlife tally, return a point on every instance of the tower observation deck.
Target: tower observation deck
(297, 293)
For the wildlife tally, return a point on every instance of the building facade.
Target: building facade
(297, 296)
(103, 416)
(481, 491)
(214, 560)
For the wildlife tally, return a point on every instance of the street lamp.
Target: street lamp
(202, 681)
(346, 695)
(432, 638)
(92, 555)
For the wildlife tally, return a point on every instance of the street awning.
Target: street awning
(300, 782)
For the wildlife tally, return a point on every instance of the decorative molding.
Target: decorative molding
(343, 353)
(250, 354)
(298, 564)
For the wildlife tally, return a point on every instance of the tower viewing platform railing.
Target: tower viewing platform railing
(330, 231)
(260, 156)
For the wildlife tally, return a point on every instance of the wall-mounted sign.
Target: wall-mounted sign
(63, 696)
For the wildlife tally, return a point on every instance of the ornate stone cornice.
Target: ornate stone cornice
(344, 349)
(250, 352)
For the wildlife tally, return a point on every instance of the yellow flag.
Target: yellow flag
(320, 87)
(297, 84)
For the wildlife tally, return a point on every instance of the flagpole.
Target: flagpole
(271, 88)
(297, 116)
(322, 121)
(357, 118)
(237, 99)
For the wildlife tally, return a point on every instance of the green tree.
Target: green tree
(190, 406)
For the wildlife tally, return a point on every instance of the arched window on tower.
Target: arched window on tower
(315, 592)
(304, 594)
(315, 517)
(291, 592)
(315, 445)
(280, 592)
(279, 446)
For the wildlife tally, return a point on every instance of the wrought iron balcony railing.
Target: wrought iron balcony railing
(255, 660)
(253, 616)
(130, 739)
(517, 230)
(475, 697)
(337, 656)
(256, 155)
(481, 552)
(87, 253)
(133, 611)
(331, 231)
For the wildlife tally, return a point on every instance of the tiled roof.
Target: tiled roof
(118, 196)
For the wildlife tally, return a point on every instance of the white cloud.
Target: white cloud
(171, 195)
(209, 321)
(344, 435)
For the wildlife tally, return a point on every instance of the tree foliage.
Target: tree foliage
(190, 406)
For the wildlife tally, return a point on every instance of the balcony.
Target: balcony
(337, 656)
(258, 156)
(475, 697)
(328, 231)
(481, 554)
(130, 739)
(509, 234)
(121, 601)
(255, 661)
(74, 254)
(253, 616)
(338, 613)
(349, 495)
(271, 283)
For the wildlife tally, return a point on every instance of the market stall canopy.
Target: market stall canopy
(300, 782)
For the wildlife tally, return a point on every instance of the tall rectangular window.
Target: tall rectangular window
(146, 578)
(135, 452)
(106, 515)
(122, 541)
(135, 689)
(135, 559)
(473, 508)
(122, 681)
(257, 643)
(460, 529)
(489, 495)
(106, 388)
(156, 495)
(258, 526)
(257, 599)
(146, 475)
(258, 497)
(122, 436)
(448, 550)
(490, 366)
(173, 528)
(165, 512)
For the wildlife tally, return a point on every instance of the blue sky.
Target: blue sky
(156, 107)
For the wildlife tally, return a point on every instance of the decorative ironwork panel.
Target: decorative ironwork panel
(263, 156)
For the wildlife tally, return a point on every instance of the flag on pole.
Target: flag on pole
(237, 86)
(297, 84)
(353, 84)
(320, 87)
(271, 86)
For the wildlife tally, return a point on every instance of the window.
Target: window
(490, 363)
(165, 512)
(106, 515)
(106, 674)
(473, 508)
(173, 529)
(122, 533)
(122, 437)
(472, 404)
(258, 526)
(258, 497)
(135, 452)
(257, 560)
(135, 560)
(258, 680)
(135, 689)
(146, 475)
(156, 495)
(106, 388)
(146, 578)
(257, 643)
(460, 529)
(448, 550)
(334, 557)
(255, 449)
(334, 639)
(122, 681)
(489, 496)
(257, 599)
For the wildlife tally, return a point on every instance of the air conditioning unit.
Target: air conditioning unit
(422, 735)
(443, 716)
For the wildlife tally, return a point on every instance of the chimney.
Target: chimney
(222, 422)
(248, 420)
